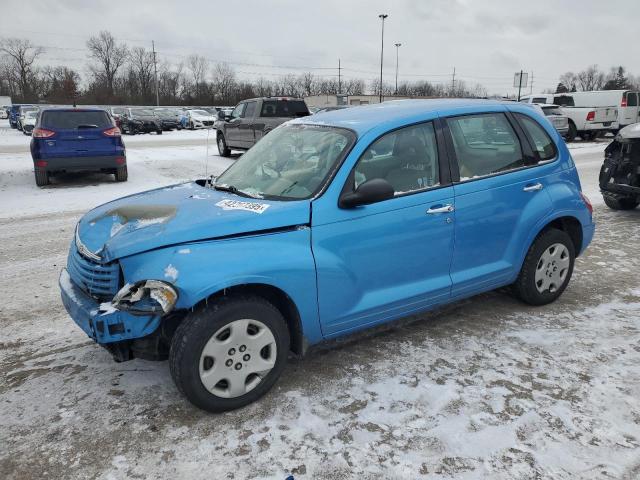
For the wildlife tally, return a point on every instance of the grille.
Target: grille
(98, 280)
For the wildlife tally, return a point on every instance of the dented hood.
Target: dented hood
(178, 214)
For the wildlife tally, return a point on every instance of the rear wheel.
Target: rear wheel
(223, 149)
(42, 177)
(159, 132)
(229, 353)
(122, 174)
(547, 268)
(616, 201)
(571, 134)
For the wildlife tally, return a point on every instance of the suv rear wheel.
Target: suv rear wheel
(42, 177)
(229, 353)
(619, 202)
(547, 268)
(122, 174)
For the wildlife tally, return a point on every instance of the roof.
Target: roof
(71, 109)
(363, 118)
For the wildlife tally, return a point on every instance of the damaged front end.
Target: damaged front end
(620, 173)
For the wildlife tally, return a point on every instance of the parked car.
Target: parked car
(13, 114)
(624, 101)
(79, 139)
(140, 120)
(253, 119)
(620, 172)
(556, 116)
(4, 111)
(169, 118)
(329, 109)
(22, 111)
(586, 122)
(415, 204)
(198, 118)
(29, 121)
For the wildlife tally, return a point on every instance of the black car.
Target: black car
(169, 118)
(620, 173)
(140, 120)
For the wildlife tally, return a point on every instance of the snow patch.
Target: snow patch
(171, 272)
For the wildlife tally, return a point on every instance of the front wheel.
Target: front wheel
(619, 202)
(547, 268)
(229, 353)
(223, 149)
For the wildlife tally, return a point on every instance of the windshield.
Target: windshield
(291, 162)
(201, 112)
(142, 111)
(32, 114)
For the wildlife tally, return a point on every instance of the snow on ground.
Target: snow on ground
(485, 388)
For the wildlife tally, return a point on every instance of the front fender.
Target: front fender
(198, 270)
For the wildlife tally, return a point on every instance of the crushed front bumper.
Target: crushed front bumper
(103, 325)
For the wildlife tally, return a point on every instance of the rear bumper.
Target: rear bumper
(601, 126)
(167, 124)
(587, 235)
(104, 325)
(81, 163)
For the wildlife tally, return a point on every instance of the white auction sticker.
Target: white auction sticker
(248, 206)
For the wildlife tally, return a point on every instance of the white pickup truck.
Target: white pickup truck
(586, 122)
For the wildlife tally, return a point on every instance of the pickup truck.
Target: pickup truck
(252, 119)
(586, 122)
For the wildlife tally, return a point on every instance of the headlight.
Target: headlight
(146, 297)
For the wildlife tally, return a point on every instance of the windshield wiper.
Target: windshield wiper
(223, 187)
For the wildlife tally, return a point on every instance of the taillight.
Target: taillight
(591, 116)
(112, 132)
(587, 202)
(42, 133)
(41, 163)
(623, 103)
(121, 160)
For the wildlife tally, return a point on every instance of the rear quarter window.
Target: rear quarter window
(542, 143)
(284, 108)
(75, 119)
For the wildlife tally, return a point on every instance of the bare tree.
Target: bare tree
(590, 79)
(21, 55)
(224, 82)
(109, 57)
(198, 66)
(141, 62)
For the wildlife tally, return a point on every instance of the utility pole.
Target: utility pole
(531, 91)
(339, 79)
(155, 70)
(382, 16)
(453, 82)
(398, 45)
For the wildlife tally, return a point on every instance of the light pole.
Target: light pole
(382, 16)
(398, 45)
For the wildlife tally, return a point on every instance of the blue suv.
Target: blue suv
(330, 224)
(78, 139)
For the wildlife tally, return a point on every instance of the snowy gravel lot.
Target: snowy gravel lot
(485, 388)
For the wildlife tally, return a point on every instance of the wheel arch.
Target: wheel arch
(278, 298)
(568, 224)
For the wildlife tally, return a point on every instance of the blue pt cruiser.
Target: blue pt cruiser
(330, 224)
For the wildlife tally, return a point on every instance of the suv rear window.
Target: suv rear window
(73, 120)
(284, 108)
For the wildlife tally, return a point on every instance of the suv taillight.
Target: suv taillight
(587, 202)
(112, 132)
(42, 133)
(591, 116)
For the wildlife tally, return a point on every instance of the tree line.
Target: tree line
(121, 74)
(592, 78)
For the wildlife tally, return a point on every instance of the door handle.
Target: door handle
(442, 209)
(533, 188)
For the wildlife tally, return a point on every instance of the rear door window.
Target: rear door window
(284, 108)
(76, 119)
(632, 99)
(485, 144)
(542, 143)
(250, 110)
(564, 101)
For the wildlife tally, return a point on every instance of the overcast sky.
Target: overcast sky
(485, 40)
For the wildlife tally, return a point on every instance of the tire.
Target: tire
(616, 201)
(158, 132)
(204, 329)
(122, 174)
(223, 149)
(42, 177)
(571, 135)
(191, 127)
(540, 281)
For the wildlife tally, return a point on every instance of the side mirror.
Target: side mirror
(371, 191)
(221, 115)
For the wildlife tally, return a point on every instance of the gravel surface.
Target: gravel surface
(485, 388)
